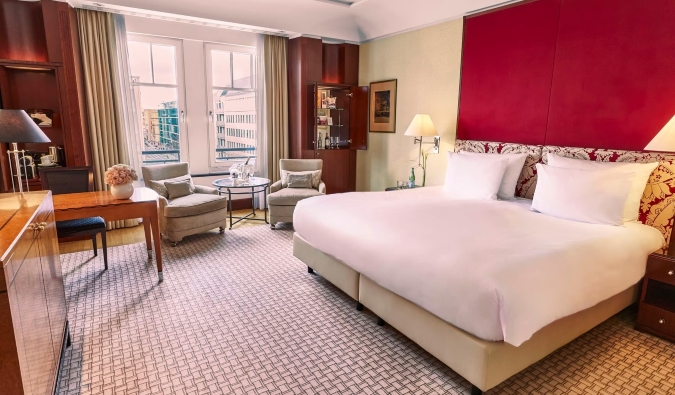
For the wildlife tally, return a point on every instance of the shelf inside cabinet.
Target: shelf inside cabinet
(660, 294)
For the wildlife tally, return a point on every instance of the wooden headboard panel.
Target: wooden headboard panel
(658, 201)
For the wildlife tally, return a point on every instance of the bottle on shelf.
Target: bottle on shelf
(326, 142)
(411, 179)
(319, 143)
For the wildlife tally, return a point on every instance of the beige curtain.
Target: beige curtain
(99, 61)
(275, 51)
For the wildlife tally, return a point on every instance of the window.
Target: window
(231, 79)
(158, 88)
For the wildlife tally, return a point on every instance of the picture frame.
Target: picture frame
(382, 118)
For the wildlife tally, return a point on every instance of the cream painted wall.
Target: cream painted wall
(426, 64)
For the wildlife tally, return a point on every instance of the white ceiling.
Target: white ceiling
(364, 20)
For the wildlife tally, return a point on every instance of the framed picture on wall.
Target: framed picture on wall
(383, 106)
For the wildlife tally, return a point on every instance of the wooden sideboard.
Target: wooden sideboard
(33, 325)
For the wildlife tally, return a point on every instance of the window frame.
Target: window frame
(214, 165)
(184, 155)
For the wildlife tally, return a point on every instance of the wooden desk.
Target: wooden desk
(142, 204)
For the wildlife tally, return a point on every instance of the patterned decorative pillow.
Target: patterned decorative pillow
(658, 201)
(178, 189)
(159, 187)
(315, 174)
(299, 180)
(528, 178)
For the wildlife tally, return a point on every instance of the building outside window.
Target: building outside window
(231, 76)
(158, 90)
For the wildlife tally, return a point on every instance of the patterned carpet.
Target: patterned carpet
(238, 314)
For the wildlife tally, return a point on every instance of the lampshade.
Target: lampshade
(421, 126)
(665, 139)
(17, 127)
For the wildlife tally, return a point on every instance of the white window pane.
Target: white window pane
(139, 61)
(241, 64)
(158, 110)
(164, 64)
(234, 145)
(220, 68)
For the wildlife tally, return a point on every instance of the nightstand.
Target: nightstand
(657, 302)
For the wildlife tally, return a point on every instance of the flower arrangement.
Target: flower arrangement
(120, 175)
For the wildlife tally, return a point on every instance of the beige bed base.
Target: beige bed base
(485, 364)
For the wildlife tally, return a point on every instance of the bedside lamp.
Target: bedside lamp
(421, 127)
(664, 141)
(17, 127)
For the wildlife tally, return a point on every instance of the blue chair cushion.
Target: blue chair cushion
(70, 227)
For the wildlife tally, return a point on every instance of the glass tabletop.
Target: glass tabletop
(236, 183)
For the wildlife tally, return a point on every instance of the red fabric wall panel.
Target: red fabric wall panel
(507, 66)
(614, 74)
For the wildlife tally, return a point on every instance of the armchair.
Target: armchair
(187, 215)
(282, 201)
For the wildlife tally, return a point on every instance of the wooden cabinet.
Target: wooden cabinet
(657, 302)
(40, 68)
(318, 70)
(33, 306)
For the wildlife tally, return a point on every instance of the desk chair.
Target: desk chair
(61, 180)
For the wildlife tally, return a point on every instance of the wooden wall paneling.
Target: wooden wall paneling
(304, 67)
(51, 25)
(330, 64)
(358, 114)
(78, 153)
(313, 58)
(22, 33)
(507, 68)
(336, 169)
(6, 185)
(349, 64)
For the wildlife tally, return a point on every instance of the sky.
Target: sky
(144, 58)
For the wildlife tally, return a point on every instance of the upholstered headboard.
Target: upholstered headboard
(658, 201)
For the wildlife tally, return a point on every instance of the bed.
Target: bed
(537, 281)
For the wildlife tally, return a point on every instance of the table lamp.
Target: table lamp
(664, 140)
(17, 127)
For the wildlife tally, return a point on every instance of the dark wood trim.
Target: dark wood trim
(241, 204)
(28, 63)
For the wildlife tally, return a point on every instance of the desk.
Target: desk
(142, 204)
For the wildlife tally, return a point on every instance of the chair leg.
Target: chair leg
(475, 390)
(105, 250)
(93, 243)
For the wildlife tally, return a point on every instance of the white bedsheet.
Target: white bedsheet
(493, 268)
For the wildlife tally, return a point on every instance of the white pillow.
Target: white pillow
(593, 196)
(507, 189)
(642, 173)
(474, 177)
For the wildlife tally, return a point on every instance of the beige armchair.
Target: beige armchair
(187, 215)
(281, 201)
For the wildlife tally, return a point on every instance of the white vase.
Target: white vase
(123, 191)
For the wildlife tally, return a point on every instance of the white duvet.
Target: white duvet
(493, 268)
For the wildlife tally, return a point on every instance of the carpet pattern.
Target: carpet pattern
(238, 314)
